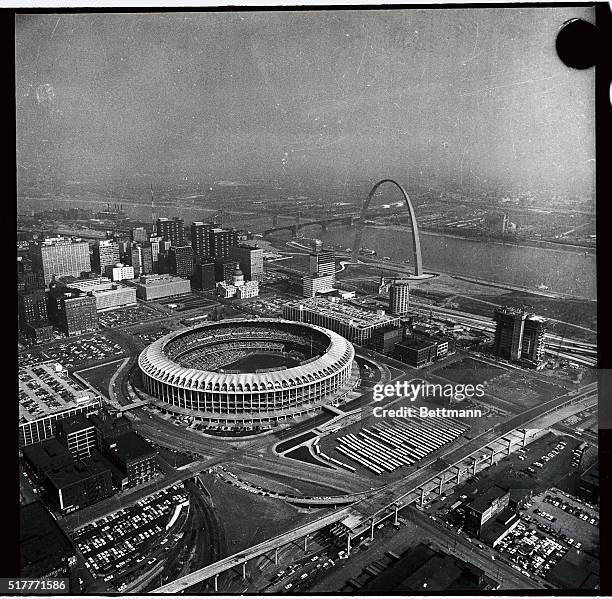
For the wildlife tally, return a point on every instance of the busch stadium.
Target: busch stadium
(248, 371)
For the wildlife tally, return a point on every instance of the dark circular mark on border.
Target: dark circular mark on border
(578, 44)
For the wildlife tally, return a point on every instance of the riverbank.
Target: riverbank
(542, 244)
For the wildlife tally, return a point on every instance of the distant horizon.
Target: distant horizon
(460, 97)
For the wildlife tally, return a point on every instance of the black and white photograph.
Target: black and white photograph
(307, 301)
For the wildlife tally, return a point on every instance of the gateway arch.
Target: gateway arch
(416, 242)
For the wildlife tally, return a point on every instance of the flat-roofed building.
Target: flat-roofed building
(80, 484)
(59, 256)
(484, 506)
(250, 259)
(416, 352)
(78, 434)
(352, 322)
(48, 455)
(173, 230)
(72, 311)
(312, 284)
(105, 253)
(131, 454)
(120, 272)
(47, 395)
(155, 287)
(108, 295)
(399, 297)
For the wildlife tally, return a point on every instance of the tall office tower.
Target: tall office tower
(221, 240)
(136, 260)
(156, 246)
(72, 312)
(32, 307)
(317, 245)
(146, 259)
(125, 251)
(105, 253)
(224, 269)
(250, 259)
(322, 263)
(532, 347)
(180, 261)
(200, 239)
(172, 230)
(60, 257)
(204, 276)
(509, 329)
(399, 297)
(139, 235)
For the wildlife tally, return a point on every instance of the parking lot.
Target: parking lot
(122, 546)
(572, 522)
(44, 389)
(83, 351)
(530, 550)
(126, 316)
(270, 304)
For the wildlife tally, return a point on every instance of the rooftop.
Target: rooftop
(347, 313)
(483, 501)
(77, 471)
(74, 424)
(130, 446)
(44, 455)
(45, 390)
(425, 569)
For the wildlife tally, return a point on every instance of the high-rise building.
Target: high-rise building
(180, 261)
(32, 306)
(509, 332)
(157, 244)
(519, 336)
(72, 312)
(317, 283)
(323, 263)
(171, 229)
(399, 297)
(221, 240)
(139, 235)
(33, 317)
(146, 258)
(204, 275)
(60, 257)
(532, 347)
(200, 239)
(250, 259)
(136, 259)
(224, 269)
(105, 253)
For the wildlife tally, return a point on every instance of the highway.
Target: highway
(244, 556)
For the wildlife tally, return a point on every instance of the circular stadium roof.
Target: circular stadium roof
(156, 363)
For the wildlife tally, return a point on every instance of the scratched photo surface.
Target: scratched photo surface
(247, 242)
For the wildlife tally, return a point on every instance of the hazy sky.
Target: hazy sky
(469, 95)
